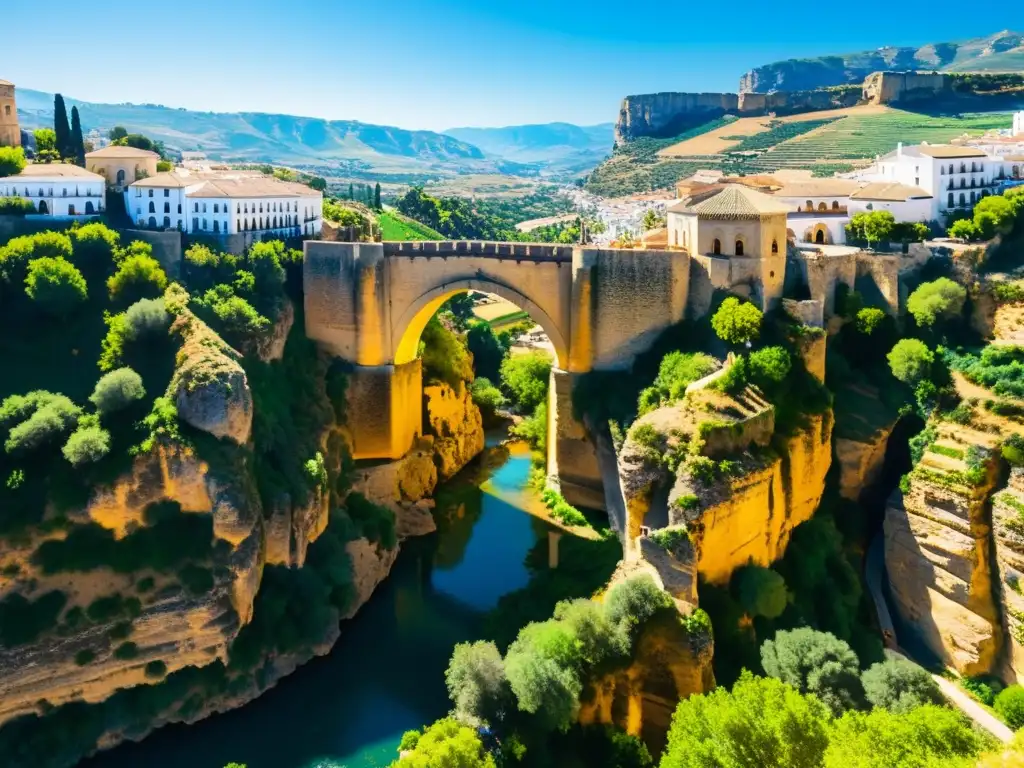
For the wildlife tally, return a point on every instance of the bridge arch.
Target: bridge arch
(410, 324)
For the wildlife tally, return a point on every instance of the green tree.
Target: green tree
(46, 145)
(56, 285)
(737, 322)
(878, 226)
(12, 161)
(487, 397)
(868, 319)
(137, 277)
(1009, 704)
(87, 445)
(632, 602)
(117, 390)
(815, 662)
(542, 666)
(318, 183)
(598, 638)
(900, 685)
(760, 591)
(488, 349)
(77, 141)
(998, 210)
(351, 192)
(461, 307)
(61, 127)
(940, 299)
(163, 166)
(926, 737)
(910, 361)
(526, 378)
(652, 220)
(376, 198)
(94, 246)
(444, 744)
(760, 723)
(445, 357)
(676, 372)
(769, 366)
(117, 133)
(476, 683)
(38, 418)
(964, 229)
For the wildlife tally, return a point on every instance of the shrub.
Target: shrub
(488, 398)
(121, 631)
(43, 418)
(760, 591)
(476, 683)
(155, 670)
(234, 317)
(117, 390)
(542, 666)
(94, 245)
(964, 229)
(126, 651)
(869, 319)
(737, 322)
(109, 607)
(978, 688)
(12, 161)
(534, 428)
(56, 285)
(632, 602)
(1010, 706)
(815, 662)
(446, 742)
(373, 521)
(87, 445)
(145, 317)
(769, 366)
(910, 360)
(85, 656)
(137, 277)
(900, 685)
(526, 378)
(675, 373)
(16, 206)
(673, 539)
(19, 251)
(23, 620)
(937, 300)
(735, 379)
(196, 579)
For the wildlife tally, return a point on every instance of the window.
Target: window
(810, 205)
(716, 247)
(949, 201)
(179, 209)
(7, 110)
(138, 192)
(739, 246)
(204, 224)
(151, 193)
(835, 205)
(195, 208)
(167, 222)
(963, 167)
(238, 208)
(204, 211)
(775, 247)
(152, 207)
(167, 207)
(216, 208)
(942, 170)
(167, 193)
(951, 168)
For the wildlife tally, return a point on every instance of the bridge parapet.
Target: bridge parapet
(446, 248)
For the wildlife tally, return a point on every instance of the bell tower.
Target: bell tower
(10, 133)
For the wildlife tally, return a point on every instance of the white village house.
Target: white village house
(224, 203)
(57, 189)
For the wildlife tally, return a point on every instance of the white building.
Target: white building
(225, 203)
(57, 189)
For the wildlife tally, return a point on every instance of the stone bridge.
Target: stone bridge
(369, 303)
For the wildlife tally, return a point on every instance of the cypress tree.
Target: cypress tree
(376, 197)
(351, 191)
(60, 126)
(77, 140)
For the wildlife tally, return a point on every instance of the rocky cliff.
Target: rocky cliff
(455, 423)
(939, 549)
(999, 53)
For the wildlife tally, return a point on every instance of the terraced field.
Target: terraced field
(863, 136)
(395, 226)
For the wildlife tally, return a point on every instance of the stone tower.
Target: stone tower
(10, 133)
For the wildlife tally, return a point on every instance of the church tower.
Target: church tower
(10, 134)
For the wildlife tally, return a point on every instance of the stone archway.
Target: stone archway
(44, 208)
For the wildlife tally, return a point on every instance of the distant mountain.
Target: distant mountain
(1001, 52)
(556, 145)
(285, 139)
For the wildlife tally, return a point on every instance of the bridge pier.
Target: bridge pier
(572, 459)
(385, 412)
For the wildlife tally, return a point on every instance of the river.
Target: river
(385, 675)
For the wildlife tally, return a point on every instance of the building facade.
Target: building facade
(121, 166)
(10, 132)
(58, 190)
(225, 203)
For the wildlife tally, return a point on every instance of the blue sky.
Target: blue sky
(443, 63)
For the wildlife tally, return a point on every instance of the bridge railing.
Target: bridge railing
(533, 251)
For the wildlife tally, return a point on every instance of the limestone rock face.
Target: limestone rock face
(938, 550)
(371, 564)
(860, 461)
(271, 347)
(292, 527)
(1009, 547)
(457, 426)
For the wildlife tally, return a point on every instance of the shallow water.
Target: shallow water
(385, 675)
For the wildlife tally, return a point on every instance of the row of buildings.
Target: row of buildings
(194, 199)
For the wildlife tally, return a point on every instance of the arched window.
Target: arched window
(963, 183)
(972, 198)
(775, 246)
(809, 205)
(216, 208)
(819, 237)
(942, 170)
(89, 207)
(963, 199)
(739, 247)
(949, 202)
(716, 247)
(951, 168)
(152, 207)
(216, 226)
(40, 192)
(963, 167)
(822, 206)
(167, 207)
(835, 205)
(120, 177)
(167, 222)
(238, 208)
(1015, 171)
(152, 222)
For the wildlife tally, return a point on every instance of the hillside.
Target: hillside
(283, 139)
(556, 145)
(1000, 52)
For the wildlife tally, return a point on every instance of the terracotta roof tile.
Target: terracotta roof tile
(731, 201)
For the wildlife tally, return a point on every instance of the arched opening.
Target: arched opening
(167, 222)
(819, 237)
(89, 207)
(739, 247)
(44, 208)
(775, 246)
(809, 205)
(152, 207)
(152, 222)
(120, 178)
(716, 247)
(949, 201)
(71, 209)
(963, 199)
(822, 206)
(216, 226)
(835, 205)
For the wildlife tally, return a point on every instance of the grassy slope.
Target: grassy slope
(395, 226)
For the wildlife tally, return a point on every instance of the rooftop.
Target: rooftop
(217, 184)
(949, 151)
(819, 188)
(122, 152)
(889, 191)
(56, 171)
(730, 201)
(6, 82)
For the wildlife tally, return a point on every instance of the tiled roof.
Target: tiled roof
(945, 151)
(168, 180)
(259, 186)
(6, 82)
(819, 188)
(123, 152)
(731, 201)
(56, 171)
(889, 191)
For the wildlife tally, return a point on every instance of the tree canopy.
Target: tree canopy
(737, 322)
(445, 743)
(900, 685)
(910, 360)
(815, 662)
(938, 300)
(12, 161)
